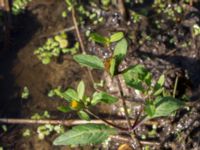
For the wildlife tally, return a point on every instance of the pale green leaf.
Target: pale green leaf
(72, 94)
(158, 92)
(83, 115)
(116, 36)
(161, 80)
(103, 97)
(89, 61)
(120, 50)
(112, 68)
(81, 89)
(85, 134)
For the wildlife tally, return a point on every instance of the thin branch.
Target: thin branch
(81, 41)
(124, 103)
(122, 9)
(70, 122)
(58, 32)
(175, 87)
(106, 121)
(77, 30)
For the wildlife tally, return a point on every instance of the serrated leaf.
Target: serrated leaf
(120, 50)
(116, 36)
(166, 105)
(83, 115)
(71, 94)
(81, 89)
(89, 61)
(99, 38)
(103, 97)
(85, 134)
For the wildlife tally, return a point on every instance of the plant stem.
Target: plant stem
(105, 121)
(175, 87)
(124, 103)
(77, 30)
(139, 123)
(81, 41)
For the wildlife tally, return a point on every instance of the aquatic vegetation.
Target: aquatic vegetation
(19, 6)
(54, 47)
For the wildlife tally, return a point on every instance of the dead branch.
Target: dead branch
(70, 122)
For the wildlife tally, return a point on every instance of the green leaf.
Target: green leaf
(166, 105)
(103, 97)
(149, 108)
(85, 134)
(158, 88)
(25, 93)
(81, 89)
(161, 80)
(158, 92)
(137, 76)
(112, 68)
(89, 61)
(99, 38)
(72, 94)
(116, 36)
(83, 115)
(120, 50)
(64, 109)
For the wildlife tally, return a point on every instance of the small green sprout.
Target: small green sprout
(25, 93)
(26, 133)
(4, 127)
(18, 6)
(196, 30)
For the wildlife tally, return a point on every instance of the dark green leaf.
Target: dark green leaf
(81, 89)
(137, 76)
(64, 109)
(99, 38)
(120, 50)
(103, 97)
(85, 134)
(83, 115)
(166, 105)
(116, 36)
(89, 61)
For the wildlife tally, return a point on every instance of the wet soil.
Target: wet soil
(19, 68)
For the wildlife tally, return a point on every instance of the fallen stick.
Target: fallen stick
(70, 122)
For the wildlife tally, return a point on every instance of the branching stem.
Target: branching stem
(105, 121)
